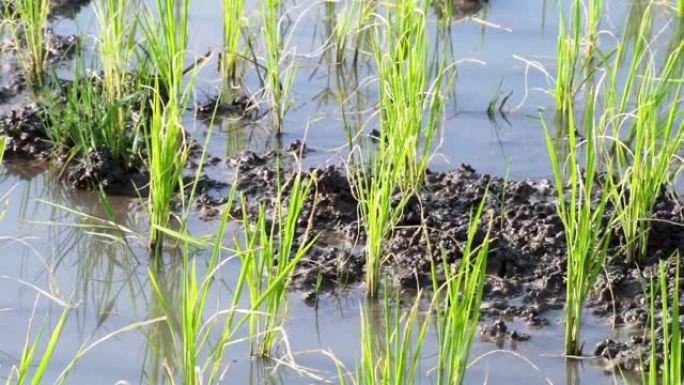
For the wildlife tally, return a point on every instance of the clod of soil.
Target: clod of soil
(241, 106)
(25, 132)
(100, 168)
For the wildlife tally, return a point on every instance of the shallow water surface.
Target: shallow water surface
(49, 249)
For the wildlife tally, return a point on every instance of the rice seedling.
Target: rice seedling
(374, 192)
(392, 355)
(670, 371)
(117, 47)
(187, 327)
(33, 364)
(84, 121)
(233, 19)
(27, 21)
(568, 57)
(586, 233)
(399, 162)
(577, 49)
(344, 29)
(280, 74)
(405, 92)
(269, 256)
(460, 297)
(168, 154)
(167, 43)
(647, 159)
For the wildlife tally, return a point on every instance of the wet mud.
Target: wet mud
(526, 265)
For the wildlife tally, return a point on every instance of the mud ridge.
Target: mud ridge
(526, 267)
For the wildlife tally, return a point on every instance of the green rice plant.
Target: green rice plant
(27, 21)
(577, 49)
(166, 41)
(405, 92)
(3, 146)
(374, 191)
(670, 373)
(392, 355)
(168, 153)
(634, 44)
(648, 166)
(187, 326)
(233, 19)
(32, 365)
(398, 164)
(269, 256)
(586, 233)
(460, 298)
(568, 57)
(117, 48)
(280, 74)
(82, 120)
(594, 14)
(363, 28)
(345, 23)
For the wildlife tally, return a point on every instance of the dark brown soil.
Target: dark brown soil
(526, 263)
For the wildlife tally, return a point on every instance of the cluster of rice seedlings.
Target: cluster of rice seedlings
(280, 74)
(670, 372)
(27, 21)
(406, 136)
(567, 60)
(117, 48)
(81, 119)
(460, 298)
(269, 256)
(233, 19)
(646, 164)
(586, 231)
(167, 43)
(338, 25)
(401, 48)
(374, 192)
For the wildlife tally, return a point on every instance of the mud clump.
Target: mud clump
(527, 258)
(242, 106)
(25, 132)
(100, 168)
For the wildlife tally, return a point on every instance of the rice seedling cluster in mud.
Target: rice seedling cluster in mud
(286, 192)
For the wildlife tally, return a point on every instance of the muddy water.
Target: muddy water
(105, 279)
